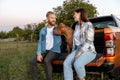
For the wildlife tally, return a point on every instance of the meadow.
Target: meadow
(14, 62)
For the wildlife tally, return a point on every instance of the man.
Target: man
(48, 47)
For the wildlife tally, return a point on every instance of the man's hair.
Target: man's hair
(49, 12)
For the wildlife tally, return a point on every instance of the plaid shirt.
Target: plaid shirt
(86, 37)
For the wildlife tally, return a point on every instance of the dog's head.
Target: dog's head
(60, 29)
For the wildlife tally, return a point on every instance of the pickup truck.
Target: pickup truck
(107, 44)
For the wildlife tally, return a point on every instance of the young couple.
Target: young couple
(82, 53)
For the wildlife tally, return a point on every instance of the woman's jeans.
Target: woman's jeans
(78, 64)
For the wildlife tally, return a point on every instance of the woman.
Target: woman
(83, 50)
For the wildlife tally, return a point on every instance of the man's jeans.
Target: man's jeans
(48, 57)
(79, 64)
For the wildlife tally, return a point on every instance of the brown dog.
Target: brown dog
(62, 29)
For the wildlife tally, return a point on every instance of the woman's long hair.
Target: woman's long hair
(83, 16)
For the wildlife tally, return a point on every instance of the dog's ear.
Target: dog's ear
(61, 24)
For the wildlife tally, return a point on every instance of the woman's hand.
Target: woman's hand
(78, 54)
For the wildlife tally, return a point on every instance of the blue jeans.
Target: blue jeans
(79, 64)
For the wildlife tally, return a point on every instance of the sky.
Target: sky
(21, 12)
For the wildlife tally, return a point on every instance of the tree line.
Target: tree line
(63, 13)
(29, 33)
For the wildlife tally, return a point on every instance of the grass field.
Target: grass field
(14, 62)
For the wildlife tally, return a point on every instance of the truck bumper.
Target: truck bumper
(106, 67)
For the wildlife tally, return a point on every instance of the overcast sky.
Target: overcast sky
(21, 12)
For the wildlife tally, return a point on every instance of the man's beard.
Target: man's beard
(52, 23)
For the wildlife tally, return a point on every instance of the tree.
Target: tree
(32, 31)
(37, 30)
(3, 35)
(28, 32)
(16, 33)
(64, 13)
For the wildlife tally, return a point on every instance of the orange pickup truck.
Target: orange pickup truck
(107, 44)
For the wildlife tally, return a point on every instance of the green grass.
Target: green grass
(14, 62)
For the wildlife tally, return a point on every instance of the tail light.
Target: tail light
(110, 52)
(109, 43)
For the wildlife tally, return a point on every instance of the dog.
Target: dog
(62, 29)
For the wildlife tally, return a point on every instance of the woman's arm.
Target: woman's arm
(89, 38)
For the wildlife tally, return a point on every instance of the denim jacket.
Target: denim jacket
(42, 42)
(86, 38)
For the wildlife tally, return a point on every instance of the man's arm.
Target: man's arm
(39, 56)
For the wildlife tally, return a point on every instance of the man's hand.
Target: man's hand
(39, 58)
(78, 54)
